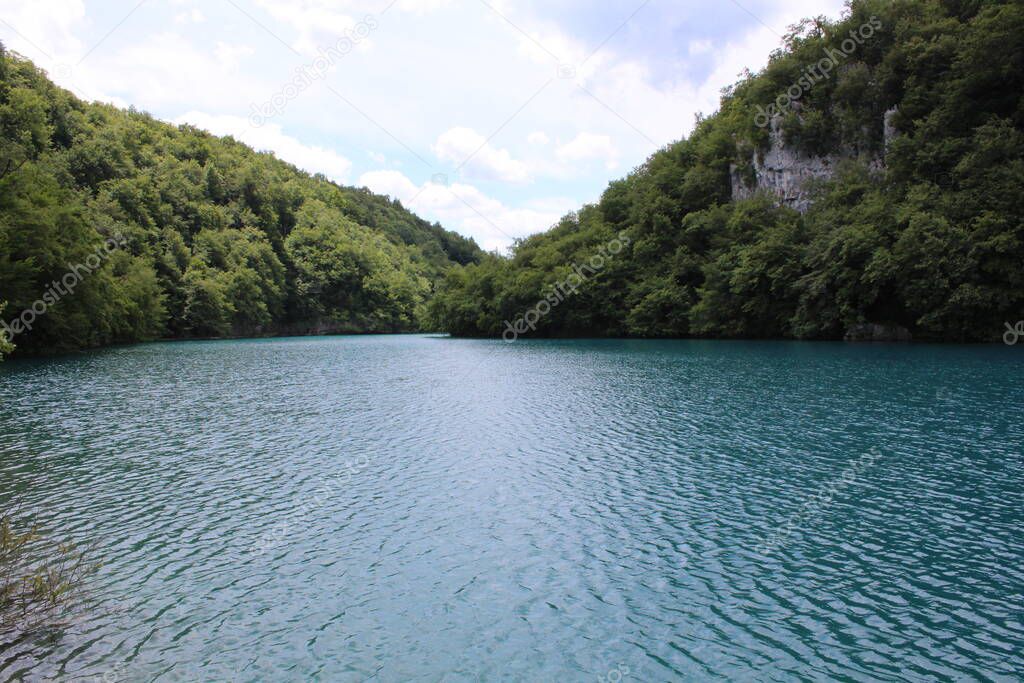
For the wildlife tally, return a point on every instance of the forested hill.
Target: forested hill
(871, 177)
(208, 238)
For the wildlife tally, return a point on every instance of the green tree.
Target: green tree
(349, 275)
(206, 221)
(5, 344)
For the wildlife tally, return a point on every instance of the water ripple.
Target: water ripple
(421, 508)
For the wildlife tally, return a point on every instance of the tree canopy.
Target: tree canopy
(212, 239)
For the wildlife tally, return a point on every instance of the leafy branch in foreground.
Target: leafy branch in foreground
(5, 346)
(37, 580)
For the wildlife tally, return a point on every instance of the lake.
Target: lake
(394, 508)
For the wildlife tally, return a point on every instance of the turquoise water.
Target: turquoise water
(422, 508)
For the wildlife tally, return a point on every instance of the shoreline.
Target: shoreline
(291, 335)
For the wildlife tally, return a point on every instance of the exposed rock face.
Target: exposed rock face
(873, 332)
(784, 172)
(787, 172)
(889, 127)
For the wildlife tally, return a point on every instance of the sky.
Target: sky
(493, 117)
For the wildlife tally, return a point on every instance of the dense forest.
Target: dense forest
(919, 228)
(169, 232)
(116, 227)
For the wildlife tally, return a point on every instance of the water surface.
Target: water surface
(422, 508)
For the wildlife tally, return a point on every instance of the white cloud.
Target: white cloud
(478, 158)
(645, 108)
(231, 55)
(318, 22)
(157, 66)
(631, 104)
(465, 208)
(45, 32)
(270, 137)
(699, 47)
(43, 29)
(393, 183)
(589, 147)
(323, 23)
(168, 73)
(538, 138)
(421, 6)
(194, 16)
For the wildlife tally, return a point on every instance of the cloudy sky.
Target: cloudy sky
(494, 117)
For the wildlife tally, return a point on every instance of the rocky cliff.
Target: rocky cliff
(789, 173)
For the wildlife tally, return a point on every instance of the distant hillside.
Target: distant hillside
(868, 183)
(209, 238)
